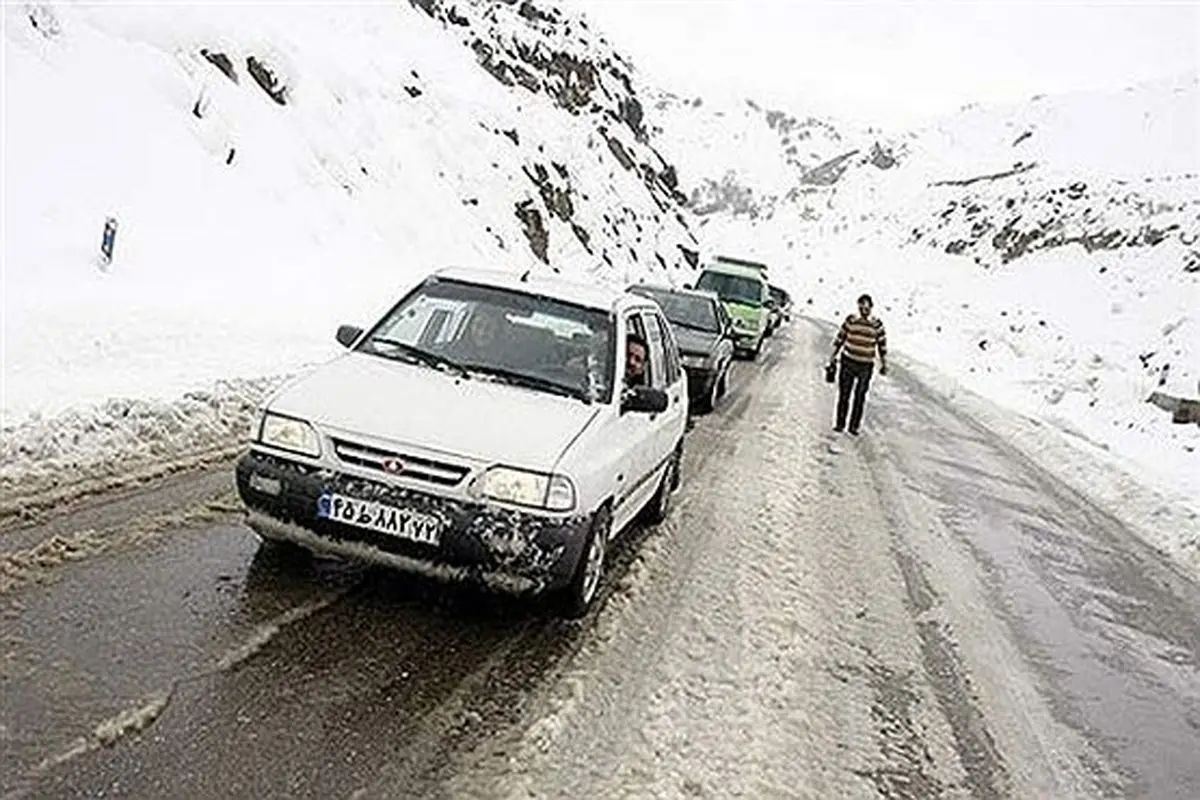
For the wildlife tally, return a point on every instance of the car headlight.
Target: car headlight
(744, 324)
(289, 433)
(523, 488)
(694, 360)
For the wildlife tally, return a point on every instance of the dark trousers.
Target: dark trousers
(853, 376)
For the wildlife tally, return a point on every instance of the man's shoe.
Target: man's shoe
(854, 431)
(838, 429)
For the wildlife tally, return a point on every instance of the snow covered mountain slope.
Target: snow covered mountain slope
(1044, 256)
(274, 174)
(743, 159)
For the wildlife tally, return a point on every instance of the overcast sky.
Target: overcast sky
(898, 62)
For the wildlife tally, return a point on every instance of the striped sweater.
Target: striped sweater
(859, 338)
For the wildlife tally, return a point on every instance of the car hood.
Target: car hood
(691, 340)
(748, 313)
(416, 405)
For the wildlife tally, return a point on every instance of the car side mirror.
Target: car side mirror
(644, 400)
(348, 335)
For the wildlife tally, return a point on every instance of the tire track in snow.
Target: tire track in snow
(731, 664)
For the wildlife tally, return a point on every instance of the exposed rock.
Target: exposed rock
(881, 157)
(995, 176)
(267, 80)
(830, 172)
(631, 112)
(618, 150)
(582, 235)
(534, 229)
(531, 12)
(43, 20)
(221, 62)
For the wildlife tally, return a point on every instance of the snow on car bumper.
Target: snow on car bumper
(506, 549)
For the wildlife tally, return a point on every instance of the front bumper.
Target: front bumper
(744, 342)
(506, 549)
(700, 381)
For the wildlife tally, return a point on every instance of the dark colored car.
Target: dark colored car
(705, 335)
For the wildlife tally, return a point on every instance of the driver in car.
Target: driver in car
(480, 342)
(635, 361)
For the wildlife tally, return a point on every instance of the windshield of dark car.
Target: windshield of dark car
(687, 310)
(495, 334)
(732, 288)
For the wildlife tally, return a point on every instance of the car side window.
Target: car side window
(635, 327)
(670, 350)
(657, 359)
(723, 315)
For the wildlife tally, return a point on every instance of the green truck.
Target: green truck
(745, 293)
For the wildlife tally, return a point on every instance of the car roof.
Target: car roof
(651, 287)
(734, 269)
(742, 262)
(576, 292)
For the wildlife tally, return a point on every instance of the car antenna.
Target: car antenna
(525, 276)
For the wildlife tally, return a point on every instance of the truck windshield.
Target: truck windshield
(732, 288)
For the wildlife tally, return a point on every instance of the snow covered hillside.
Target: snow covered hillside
(742, 159)
(1045, 256)
(273, 175)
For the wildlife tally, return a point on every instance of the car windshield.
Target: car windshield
(732, 288)
(535, 342)
(687, 310)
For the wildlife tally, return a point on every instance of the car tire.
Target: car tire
(575, 600)
(708, 401)
(659, 507)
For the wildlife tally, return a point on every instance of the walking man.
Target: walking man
(858, 340)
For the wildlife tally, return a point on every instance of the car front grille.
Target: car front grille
(402, 465)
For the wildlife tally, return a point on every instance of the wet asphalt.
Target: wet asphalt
(174, 659)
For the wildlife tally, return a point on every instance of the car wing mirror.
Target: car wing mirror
(348, 335)
(644, 400)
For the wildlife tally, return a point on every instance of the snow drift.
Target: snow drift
(276, 174)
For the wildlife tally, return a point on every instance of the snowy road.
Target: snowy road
(920, 614)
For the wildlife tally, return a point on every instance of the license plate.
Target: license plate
(399, 522)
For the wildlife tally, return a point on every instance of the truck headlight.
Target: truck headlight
(289, 433)
(523, 488)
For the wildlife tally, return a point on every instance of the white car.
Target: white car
(484, 429)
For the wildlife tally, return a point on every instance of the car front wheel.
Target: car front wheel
(576, 599)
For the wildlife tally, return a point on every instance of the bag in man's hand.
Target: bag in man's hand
(831, 372)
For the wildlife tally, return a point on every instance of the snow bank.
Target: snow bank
(274, 175)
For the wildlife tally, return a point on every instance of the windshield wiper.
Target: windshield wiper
(693, 326)
(421, 356)
(530, 381)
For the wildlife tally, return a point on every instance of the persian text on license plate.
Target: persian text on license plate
(400, 522)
